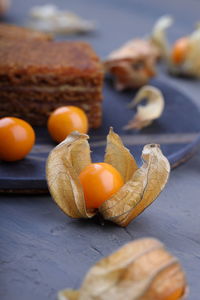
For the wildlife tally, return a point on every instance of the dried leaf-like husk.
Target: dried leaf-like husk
(191, 64)
(68, 295)
(64, 164)
(133, 64)
(158, 35)
(149, 112)
(133, 49)
(50, 19)
(141, 190)
(119, 156)
(140, 270)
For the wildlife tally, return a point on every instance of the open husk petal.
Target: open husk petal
(119, 156)
(158, 35)
(64, 164)
(141, 190)
(68, 294)
(146, 113)
(133, 49)
(140, 270)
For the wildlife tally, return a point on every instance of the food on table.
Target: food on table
(37, 77)
(141, 185)
(179, 50)
(9, 31)
(50, 18)
(183, 58)
(133, 64)
(17, 138)
(66, 119)
(140, 270)
(4, 6)
(149, 112)
(99, 181)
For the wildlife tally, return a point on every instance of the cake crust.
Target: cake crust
(69, 59)
(10, 31)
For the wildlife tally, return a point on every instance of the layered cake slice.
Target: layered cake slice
(37, 77)
(9, 31)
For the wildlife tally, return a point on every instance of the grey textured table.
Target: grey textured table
(36, 262)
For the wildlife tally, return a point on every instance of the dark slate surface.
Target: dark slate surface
(42, 250)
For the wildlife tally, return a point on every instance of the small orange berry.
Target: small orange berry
(99, 181)
(17, 138)
(176, 295)
(66, 119)
(179, 50)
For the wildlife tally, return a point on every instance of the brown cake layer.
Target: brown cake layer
(37, 77)
(37, 112)
(51, 94)
(25, 62)
(9, 31)
(21, 79)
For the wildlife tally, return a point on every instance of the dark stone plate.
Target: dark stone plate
(177, 131)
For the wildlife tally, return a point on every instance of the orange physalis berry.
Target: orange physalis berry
(17, 138)
(66, 119)
(99, 181)
(179, 50)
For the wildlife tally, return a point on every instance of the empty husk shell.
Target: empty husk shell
(146, 114)
(133, 64)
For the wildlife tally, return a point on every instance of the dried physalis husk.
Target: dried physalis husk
(119, 156)
(149, 112)
(141, 190)
(64, 164)
(133, 64)
(50, 19)
(141, 187)
(190, 66)
(158, 35)
(68, 295)
(140, 270)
